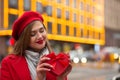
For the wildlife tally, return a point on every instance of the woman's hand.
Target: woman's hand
(42, 68)
(64, 75)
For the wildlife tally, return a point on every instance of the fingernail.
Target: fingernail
(48, 58)
(51, 66)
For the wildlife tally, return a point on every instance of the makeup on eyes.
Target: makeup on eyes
(34, 32)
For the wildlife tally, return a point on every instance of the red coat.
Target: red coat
(15, 68)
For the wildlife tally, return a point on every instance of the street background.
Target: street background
(87, 30)
(93, 71)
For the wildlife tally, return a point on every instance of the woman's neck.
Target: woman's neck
(36, 50)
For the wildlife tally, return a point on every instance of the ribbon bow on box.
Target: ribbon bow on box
(59, 62)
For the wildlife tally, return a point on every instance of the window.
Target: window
(39, 7)
(49, 27)
(88, 21)
(49, 10)
(74, 17)
(13, 4)
(74, 31)
(81, 19)
(58, 13)
(74, 4)
(93, 10)
(59, 28)
(27, 5)
(93, 22)
(12, 18)
(58, 1)
(88, 8)
(81, 32)
(67, 2)
(99, 36)
(81, 6)
(88, 33)
(67, 15)
(94, 34)
(67, 30)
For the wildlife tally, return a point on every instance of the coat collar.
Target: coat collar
(21, 68)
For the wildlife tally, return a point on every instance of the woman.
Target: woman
(28, 61)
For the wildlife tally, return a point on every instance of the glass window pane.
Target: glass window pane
(81, 31)
(99, 36)
(59, 28)
(49, 10)
(58, 1)
(39, 7)
(81, 19)
(49, 27)
(93, 10)
(88, 21)
(93, 22)
(67, 15)
(87, 7)
(88, 33)
(13, 4)
(74, 31)
(67, 30)
(67, 2)
(81, 5)
(74, 4)
(58, 13)
(27, 5)
(12, 18)
(94, 34)
(74, 17)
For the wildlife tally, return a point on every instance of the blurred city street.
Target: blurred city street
(87, 30)
(92, 72)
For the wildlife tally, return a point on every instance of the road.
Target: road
(92, 73)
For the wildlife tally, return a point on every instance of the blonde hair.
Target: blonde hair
(23, 42)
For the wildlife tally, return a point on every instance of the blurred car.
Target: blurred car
(117, 77)
(77, 57)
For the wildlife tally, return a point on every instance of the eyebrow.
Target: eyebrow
(37, 29)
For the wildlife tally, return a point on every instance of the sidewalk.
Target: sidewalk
(98, 65)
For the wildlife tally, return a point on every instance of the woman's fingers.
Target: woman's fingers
(43, 59)
(67, 71)
(44, 67)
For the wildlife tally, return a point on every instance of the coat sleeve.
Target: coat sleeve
(5, 72)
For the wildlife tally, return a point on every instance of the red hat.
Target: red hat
(20, 24)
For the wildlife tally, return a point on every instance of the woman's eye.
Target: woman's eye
(33, 34)
(41, 30)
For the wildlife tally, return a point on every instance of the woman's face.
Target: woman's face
(38, 36)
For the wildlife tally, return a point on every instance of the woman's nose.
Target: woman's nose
(39, 35)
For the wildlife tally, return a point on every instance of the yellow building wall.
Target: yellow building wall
(85, 16)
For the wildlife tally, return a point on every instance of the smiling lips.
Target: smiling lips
(40, 42)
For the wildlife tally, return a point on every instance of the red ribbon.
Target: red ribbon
(59, 62)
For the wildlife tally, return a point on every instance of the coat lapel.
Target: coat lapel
(20, 68)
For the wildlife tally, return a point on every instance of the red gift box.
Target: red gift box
(59, 62)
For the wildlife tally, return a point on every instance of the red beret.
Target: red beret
(20, 24)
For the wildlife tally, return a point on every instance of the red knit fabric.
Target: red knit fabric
(15, 67)
(20, 24)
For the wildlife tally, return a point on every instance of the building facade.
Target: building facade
(112, 24)
(67, 21)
